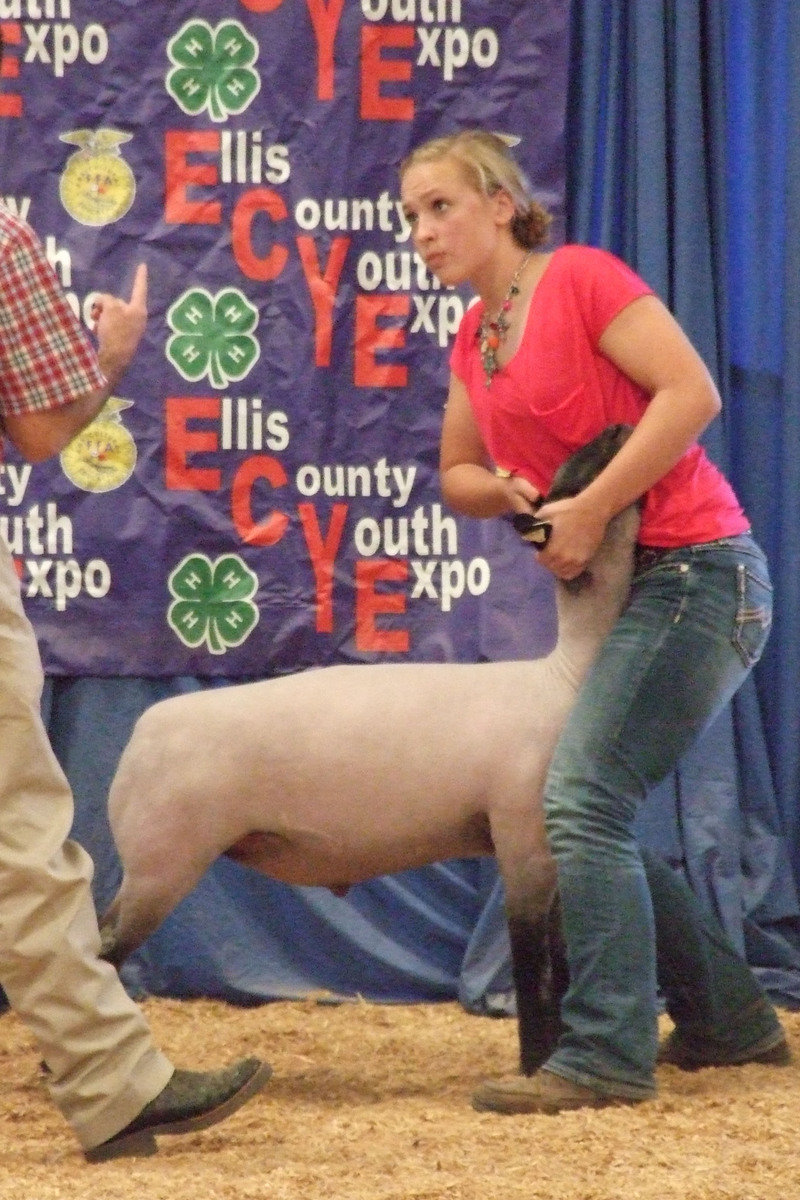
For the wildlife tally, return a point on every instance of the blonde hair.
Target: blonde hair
(489, 167)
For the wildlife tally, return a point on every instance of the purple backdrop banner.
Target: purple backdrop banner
(261, 495)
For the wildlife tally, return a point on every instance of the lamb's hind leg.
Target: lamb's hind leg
(152, 885)
(108, 933)
(165, 843)
(127, 923)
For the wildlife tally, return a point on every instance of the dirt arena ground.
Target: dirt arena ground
(372, 1103)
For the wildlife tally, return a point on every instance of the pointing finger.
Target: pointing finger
(139, 289)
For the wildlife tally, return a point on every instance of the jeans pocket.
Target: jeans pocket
(753, 615)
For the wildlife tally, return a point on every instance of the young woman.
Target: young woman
(561, 344)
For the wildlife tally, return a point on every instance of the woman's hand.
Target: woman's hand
(577, 531)
(523, 497)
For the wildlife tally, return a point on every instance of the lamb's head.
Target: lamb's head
(586, 464)
(571, 478)
(589, 606)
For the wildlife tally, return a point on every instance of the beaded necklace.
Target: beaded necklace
(492, 334)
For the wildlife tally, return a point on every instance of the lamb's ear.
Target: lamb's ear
(586, 464)
(532, 530)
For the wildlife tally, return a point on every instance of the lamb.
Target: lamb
(338, 774)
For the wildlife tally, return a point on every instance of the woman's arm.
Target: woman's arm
(469, 483)
(648, 345)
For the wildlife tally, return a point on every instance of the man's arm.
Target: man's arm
(119, 328)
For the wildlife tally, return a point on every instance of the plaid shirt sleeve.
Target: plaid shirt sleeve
(46, 357)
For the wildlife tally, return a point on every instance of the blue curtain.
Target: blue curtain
(682, 152)
(764, 368)
(682, 158)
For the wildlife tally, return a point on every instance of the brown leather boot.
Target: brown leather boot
(543, 1092)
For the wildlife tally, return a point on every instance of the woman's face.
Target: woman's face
(453, 225)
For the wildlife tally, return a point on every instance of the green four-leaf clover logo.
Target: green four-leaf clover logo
(213, 68)
(213, 602)
(212, 335)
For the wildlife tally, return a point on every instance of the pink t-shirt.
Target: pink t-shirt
(559, 391)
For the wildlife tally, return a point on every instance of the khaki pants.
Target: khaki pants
(94, 1039)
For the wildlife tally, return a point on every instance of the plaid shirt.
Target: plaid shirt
(46, 357)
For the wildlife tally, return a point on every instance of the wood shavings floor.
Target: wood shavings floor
(372, 1102)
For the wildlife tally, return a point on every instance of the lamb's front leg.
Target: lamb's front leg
(537, 960)
(528, 871)
(540, 979)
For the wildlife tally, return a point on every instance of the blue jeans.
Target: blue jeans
(695, 625)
